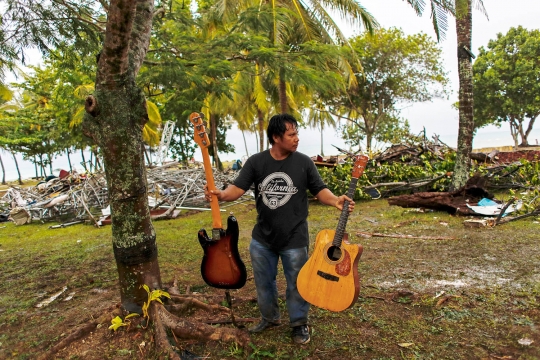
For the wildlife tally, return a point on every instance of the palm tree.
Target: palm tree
(250, 106)
(288, 24)
(463, 13)
(5, 96)
(213, 110)
(319, 117)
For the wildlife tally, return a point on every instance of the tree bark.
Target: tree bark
(466, 121)
(49, 158)
(213, 137)
(322, 140)
(42, 166)
(3, 171)
(525, 134)
(35, 167)
(116, 115)
(245, 143)
(284, 106)
(83, 160)
(69, 161)
(17, 167)
(260, 117)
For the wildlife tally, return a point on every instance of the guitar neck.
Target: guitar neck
(340, 231)
(214, 205)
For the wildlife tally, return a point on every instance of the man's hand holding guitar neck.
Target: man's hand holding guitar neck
(326, 197)
(231, 193)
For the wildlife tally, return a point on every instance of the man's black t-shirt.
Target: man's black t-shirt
(281, 197)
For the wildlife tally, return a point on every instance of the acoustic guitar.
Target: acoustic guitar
(329, 279)
(221, 265)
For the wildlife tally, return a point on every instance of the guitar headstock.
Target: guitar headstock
(200, 137)
(360, 162)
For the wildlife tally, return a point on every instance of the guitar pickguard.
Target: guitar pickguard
(344, 267)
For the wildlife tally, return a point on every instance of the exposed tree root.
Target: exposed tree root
(182, 304)
(79, 332)
(164, 318)
(200, 331)
(230, 321)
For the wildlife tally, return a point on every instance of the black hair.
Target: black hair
(277, 126)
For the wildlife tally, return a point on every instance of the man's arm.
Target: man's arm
(231, 193)
(326, 197)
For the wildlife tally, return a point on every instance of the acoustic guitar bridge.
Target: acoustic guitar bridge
(327, 276)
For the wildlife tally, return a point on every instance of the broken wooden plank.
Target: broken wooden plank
(402, 236)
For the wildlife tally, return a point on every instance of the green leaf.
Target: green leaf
(117, 322)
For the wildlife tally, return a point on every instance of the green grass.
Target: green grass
(492, 276)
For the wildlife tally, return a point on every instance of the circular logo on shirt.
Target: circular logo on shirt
(276, 190)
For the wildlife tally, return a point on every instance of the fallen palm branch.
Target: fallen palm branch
(401, 236)
(535, 212)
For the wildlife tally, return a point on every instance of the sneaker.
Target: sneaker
(300, 334)
(263, 325)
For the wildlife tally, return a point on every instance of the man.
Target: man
(282, 177)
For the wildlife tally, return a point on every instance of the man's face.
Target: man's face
(289, 141)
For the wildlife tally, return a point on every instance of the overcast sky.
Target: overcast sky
(438, 116)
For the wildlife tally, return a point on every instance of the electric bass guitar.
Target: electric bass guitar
(221, 265)
(329, 279)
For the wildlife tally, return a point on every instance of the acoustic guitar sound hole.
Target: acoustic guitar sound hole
(334, 253)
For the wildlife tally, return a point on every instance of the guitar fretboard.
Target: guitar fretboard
(340, 231)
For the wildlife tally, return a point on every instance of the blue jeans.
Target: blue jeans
(264, 262)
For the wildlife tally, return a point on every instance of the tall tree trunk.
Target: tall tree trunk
(69, 161)
(97, 163)
(257, 141)
(213, 139)
(3, 171)
(50, 163)
(91, 161)
(283, 104)
(369, 138)
(260, 118)
(83, 161)
(513, 132)
(322, 142)
(525, 134)
(35, 167)
(245, 143)
(466, 120)
(42, 166)
(115, 116)
(17, 167)
(148, 161)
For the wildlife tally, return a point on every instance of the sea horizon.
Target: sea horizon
(310, 144)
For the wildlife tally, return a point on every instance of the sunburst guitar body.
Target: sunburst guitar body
(221, 265)
(329, 279)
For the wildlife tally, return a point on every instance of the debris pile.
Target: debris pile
(77, 198)
(411, 153)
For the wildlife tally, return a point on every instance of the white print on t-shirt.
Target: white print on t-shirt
(276, 189)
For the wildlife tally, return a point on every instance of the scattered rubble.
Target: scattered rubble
(75, 198)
